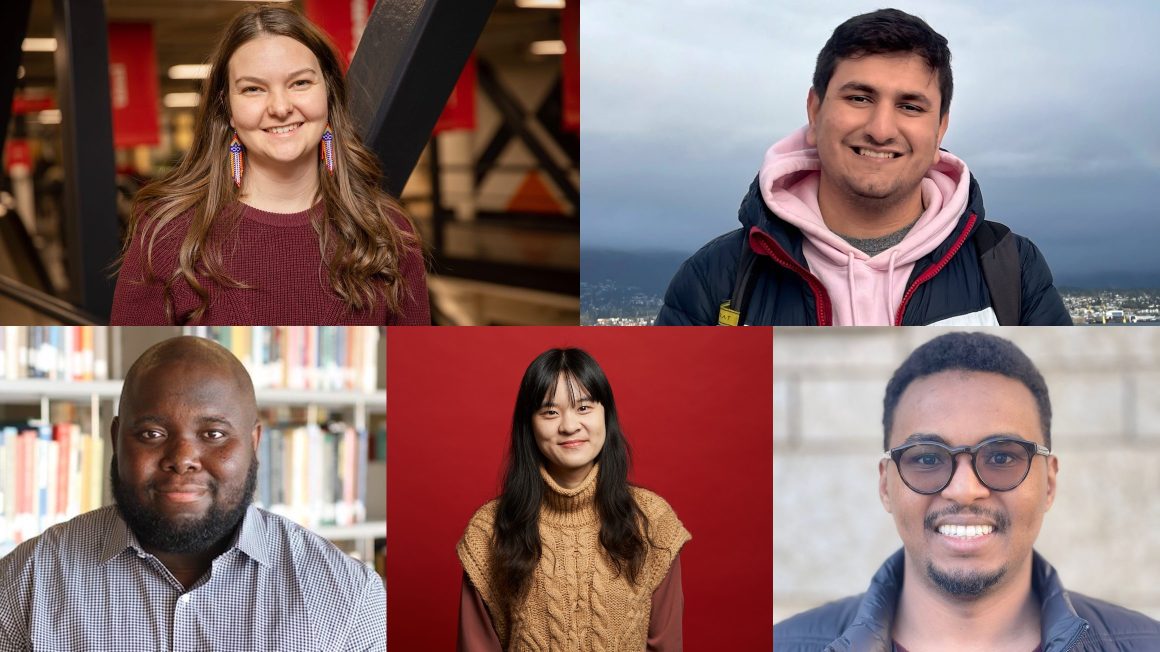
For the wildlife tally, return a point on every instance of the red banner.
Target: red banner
(133, 84)
(570, 33)
(459, 112)
(342, 20)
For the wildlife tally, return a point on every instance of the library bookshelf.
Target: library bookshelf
(46, 424)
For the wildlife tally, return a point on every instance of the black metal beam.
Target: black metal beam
(13, 28)
(516, 120)
(90, 208)
(407, 63)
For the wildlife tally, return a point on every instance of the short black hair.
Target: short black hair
(884, 32)
(967, 352)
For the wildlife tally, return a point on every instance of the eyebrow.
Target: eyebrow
(212, 419)
(581, 399)
(925, 437)
(259, 80)
(908, 96)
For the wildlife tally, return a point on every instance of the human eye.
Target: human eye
(215, 435)
(150, 434)
(250, 90)
(858, 99)
(911, 108)
(923, 458)
(301, 83)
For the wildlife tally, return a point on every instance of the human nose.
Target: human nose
(278, 103)
(569, 422)
(965, 486)
(182, 455)
(881, 127)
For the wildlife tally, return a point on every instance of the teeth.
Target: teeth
(965, 530)
(283, 130)
(873, 154)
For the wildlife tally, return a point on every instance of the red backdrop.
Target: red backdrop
(695, 405)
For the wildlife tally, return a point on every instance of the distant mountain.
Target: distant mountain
(650, 271)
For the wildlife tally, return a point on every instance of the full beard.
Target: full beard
(189, 536)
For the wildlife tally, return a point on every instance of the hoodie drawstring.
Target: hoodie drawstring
(850, 282)
(890, 282)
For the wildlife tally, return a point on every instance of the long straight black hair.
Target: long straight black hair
(623, 526)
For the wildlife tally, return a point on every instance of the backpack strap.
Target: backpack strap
(732, 311)
(999, 258)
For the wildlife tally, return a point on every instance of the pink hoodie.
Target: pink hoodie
(864, 291)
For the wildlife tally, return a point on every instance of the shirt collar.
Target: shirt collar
(250, 537)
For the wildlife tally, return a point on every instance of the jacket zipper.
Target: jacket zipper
(779, 255)
(1075, 639)
(931, 272)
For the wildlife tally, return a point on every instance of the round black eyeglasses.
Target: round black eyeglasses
(999, 464)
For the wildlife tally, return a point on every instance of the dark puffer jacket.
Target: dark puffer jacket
(1070, 622)
(945, 284)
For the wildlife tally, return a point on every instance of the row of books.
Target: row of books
(302, 357)
(78, 353)
(314, 475)
(48, 474)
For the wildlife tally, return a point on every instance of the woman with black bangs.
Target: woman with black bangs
(570, 556)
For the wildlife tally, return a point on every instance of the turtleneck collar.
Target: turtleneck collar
(570, 507)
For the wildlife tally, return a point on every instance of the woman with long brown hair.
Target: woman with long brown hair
(275, 215)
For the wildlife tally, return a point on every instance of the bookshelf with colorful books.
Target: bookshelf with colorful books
(318, 390)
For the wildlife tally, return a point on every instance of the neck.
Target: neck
(280, 189)
(859, 217)
(570, 478)
(188, 568)
(1006, 618)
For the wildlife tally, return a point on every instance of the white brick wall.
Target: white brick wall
(831, 533)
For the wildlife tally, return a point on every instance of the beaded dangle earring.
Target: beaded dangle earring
(326, 148)
(237, 162)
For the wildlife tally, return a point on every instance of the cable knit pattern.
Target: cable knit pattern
(577, 601)
(277, 254)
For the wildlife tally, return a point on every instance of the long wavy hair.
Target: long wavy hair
(623, 526)
(359, 239)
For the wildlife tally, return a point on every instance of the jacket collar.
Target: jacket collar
(870, 629)
(755, 213)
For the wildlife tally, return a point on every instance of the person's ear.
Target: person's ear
(883, 491)
(813, 105)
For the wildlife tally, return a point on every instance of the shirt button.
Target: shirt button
(185, 598)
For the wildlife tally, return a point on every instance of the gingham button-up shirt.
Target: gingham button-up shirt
(88, 585)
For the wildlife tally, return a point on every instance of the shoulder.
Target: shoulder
(476, 540)
(78, 539)
(1110, 622)
(703, 281)
(815, 629)
(316, 561)
(666, 534)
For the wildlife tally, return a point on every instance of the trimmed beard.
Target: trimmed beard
(155, 531)
(961, 584)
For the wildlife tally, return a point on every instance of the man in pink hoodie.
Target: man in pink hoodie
(859, 218)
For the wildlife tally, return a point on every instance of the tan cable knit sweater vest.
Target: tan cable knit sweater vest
(576, 601)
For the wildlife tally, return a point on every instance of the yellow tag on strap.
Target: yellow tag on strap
(728, 316)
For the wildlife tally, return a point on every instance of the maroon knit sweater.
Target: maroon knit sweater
(277, 255)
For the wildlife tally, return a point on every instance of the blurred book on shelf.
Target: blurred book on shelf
(54, 353)
(302, 357)
(314, 475)
(49, 473)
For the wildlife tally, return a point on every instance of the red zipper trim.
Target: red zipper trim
(934, 270)
(767, 246)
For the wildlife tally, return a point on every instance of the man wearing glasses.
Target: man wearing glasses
(968, 475)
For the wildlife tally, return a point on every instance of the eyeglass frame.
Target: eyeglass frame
(895, 453)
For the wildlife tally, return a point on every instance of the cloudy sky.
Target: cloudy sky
(1056, 111)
